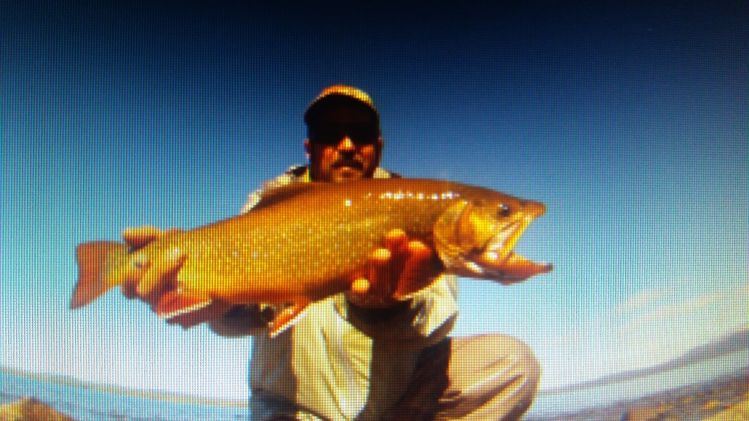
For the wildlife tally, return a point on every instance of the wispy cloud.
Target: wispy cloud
(640, 300)
(649, 327)
(676, 310)
(657, 325)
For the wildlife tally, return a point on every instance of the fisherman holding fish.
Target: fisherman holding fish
(373, 352)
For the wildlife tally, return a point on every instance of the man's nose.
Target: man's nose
(346, 144)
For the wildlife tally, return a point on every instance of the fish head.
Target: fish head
(475, 237)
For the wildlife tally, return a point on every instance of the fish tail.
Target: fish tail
(95, 260)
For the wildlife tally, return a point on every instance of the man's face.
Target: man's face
(344, 144)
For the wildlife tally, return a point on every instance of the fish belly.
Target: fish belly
(271, 256)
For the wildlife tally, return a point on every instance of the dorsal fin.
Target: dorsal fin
(278, 194)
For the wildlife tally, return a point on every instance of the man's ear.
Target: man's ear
(308, 147)
(378, 145)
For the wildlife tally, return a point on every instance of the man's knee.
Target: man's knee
(525, 366)
(497, 351)
(491, 374)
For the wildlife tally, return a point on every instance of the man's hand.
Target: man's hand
(151, 287)
(139, 237)
(136, 238)
(394, 271)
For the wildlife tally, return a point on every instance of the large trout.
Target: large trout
(306, 241)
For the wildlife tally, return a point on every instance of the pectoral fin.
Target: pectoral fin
(287, 317)
(176, 303)
(214, 310)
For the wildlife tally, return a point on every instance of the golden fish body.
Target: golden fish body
(304, 242)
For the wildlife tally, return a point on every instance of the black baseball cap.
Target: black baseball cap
(341, 94)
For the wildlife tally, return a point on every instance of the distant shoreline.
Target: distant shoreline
(695, 401)
(730, 344)
(689, 358)
(158, 395)
(703, 399)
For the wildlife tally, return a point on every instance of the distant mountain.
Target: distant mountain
(728, 344)
(734, 342)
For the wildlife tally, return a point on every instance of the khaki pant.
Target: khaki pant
(486, 377)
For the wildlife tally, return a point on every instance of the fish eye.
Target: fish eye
(503, 211)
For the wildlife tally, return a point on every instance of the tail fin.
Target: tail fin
(95, 259)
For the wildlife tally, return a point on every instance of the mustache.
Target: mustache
(348, 162)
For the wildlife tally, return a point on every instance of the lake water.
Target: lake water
(91, 405)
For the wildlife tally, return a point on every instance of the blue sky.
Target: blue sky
(629, 122)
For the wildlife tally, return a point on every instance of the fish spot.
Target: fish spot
(347, 203)
(140, 261)
(174, 254)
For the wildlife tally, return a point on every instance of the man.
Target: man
(364, 354)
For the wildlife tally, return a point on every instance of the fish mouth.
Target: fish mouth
(498, 260)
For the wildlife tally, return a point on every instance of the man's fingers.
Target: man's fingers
(397, 269)
(378, 272)
(418, 271)
(419, 250)
(378, 267)
(137, 237)
(160, 272)
(396, 240)
(134, 274)
(381, 256)
(360, 286)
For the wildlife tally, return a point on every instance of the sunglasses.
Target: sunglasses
(360, 134)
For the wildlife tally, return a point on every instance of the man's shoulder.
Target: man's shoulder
(383, 173)
(300, 173)
(293, 174)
